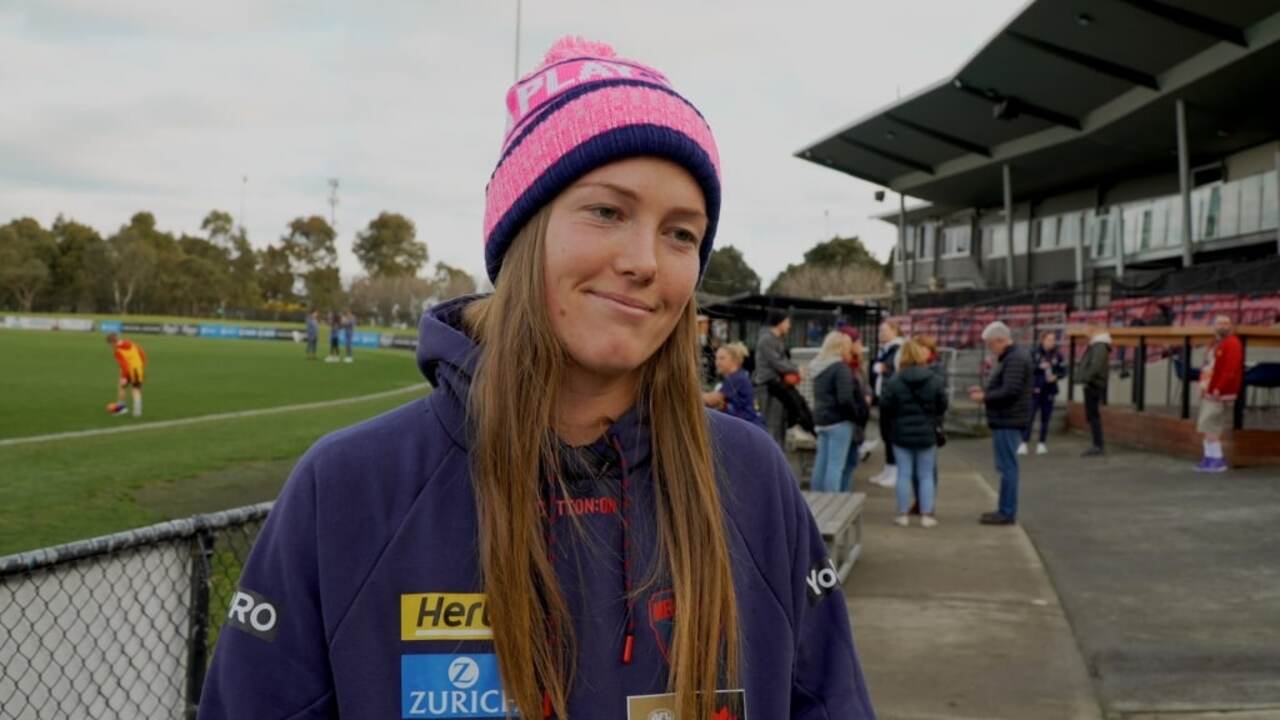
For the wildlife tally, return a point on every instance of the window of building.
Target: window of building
(1144, 237)
(955, 241)
(1047, 237)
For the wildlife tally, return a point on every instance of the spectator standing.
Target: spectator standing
(838, 407)
(1094, 372)
(915, 399)
(335, 332)
(1007, 398)
(707, 356)
(1049, 366)
(313, 333)
(885, 365)
(775, 379)
(735, 395)
(1221, 380)
(348, 332)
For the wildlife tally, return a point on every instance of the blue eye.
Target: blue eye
(605, 212)
(686, 236)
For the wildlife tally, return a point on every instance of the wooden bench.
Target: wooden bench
(839, 517)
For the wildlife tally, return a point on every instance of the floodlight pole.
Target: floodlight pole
(1184, 183)
(517, 55)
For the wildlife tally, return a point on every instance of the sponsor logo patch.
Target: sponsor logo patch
(730, 705)
(444, 616)
(253, 614)
(821, 580)
(662, 619)
(452, 686)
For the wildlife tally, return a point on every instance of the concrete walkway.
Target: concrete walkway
(1170, 578)
(960, 621)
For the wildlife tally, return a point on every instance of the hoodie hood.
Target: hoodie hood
(916, 375)
(448, 357)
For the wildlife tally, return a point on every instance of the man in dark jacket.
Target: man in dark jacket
(1050, 367)
(1092, 372)
(780, 403)
(1007, 398)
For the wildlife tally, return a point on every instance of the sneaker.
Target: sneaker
(1204, 465)
(1022, 448)
(1042, 449)
(121, 409)
(886, 478)
(1092, 452)
(995, 518)
(928, 521)
(348, 359)
(902, 521)
(865, 449)
(1217, 465)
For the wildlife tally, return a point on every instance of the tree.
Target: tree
(27, 252)
(728, 273)
(310, 244)
(387, 247)
(451, 282)
(809, 281)
(840, 251)
(219, 228)
(839, 266)
(275, 278)
(391, 299)
(131, 258)
(246, 292)
(324, 287)
(76, 287)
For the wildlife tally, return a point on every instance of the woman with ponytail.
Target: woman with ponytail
(561, 529)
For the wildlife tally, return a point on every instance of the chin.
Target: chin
(611, 358)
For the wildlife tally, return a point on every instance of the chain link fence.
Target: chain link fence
(119, 626)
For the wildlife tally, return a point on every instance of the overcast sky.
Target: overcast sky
(115, 106)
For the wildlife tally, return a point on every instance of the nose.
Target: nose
(637, 254)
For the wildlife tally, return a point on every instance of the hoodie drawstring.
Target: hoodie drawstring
(624, 504)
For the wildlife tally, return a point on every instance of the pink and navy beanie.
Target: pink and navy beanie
(583, 108)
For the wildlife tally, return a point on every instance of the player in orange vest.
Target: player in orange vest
(133, 362)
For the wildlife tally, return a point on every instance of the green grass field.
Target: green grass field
(69, 489)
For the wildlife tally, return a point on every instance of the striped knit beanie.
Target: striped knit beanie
(583, 108)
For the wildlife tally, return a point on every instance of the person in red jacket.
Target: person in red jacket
(1220, 382)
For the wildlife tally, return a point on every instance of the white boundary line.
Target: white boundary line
(208, 418)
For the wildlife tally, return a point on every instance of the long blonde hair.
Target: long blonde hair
(513, 452)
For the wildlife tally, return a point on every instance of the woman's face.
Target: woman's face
(726, 363)
(887, 333)
(622, 261)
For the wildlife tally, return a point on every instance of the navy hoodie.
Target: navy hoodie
(363, 596)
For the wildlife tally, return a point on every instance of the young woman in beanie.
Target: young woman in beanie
(572, 534)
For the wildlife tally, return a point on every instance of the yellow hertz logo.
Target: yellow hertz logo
(444, 616)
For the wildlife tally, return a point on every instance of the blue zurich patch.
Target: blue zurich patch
(452, 686)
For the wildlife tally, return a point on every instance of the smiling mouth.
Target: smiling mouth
(623, 301)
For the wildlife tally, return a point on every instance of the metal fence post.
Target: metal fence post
(1140, 373)
(1243, 398)
(1186, 377)
(1071, 370)
(198, 618)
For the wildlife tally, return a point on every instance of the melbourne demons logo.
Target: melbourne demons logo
(662, 619)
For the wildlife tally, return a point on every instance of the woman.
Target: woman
(1050, 367)
(884, 367)
(838, 408)
(735, 395)
(916, 399)
(560, 529)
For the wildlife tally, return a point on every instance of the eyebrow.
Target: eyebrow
(687, 213)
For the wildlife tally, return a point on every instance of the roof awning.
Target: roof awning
(1067, 94)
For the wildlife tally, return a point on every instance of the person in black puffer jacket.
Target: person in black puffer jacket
(839, 405)
(915, 399)
(1007, 399)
